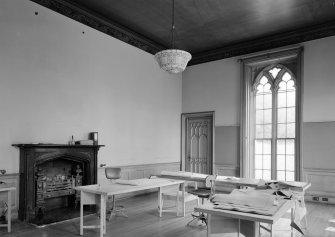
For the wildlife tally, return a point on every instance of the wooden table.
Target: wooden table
(255, 219)
(98, 194)
(9, 190)
(233, 181)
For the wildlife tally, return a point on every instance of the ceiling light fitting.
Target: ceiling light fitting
(173, 60)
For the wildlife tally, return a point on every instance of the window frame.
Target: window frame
(251, 66)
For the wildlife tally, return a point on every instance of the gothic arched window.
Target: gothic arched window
(274, 124)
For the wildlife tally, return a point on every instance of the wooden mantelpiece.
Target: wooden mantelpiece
(33, 156)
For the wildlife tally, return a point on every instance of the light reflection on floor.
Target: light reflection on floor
(330, 229)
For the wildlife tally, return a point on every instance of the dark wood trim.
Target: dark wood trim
(128, 36)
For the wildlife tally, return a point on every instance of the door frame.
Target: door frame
(184, 118)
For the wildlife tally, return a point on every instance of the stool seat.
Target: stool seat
(114, 173)
(200, 192)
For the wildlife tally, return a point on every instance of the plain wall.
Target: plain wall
(60, 78)
(216, 86)
(213, 86)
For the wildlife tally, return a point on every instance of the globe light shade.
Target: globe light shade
(173, 60)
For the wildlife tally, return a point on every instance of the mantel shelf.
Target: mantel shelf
(27, 145)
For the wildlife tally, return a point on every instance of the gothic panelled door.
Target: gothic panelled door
(198, 145)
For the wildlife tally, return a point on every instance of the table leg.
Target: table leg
(257, 229)
(81, 212)
(160, 201)
(292, 219)
(183, 198)
(177, 204)
(102, 215)
(9, 213)
(209, 220)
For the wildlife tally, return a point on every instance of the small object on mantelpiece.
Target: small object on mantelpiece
(94, 136)
(3, 171)
(84, 142)
(71, 142)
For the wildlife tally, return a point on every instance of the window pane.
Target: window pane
(291, 130)
(290, 163)
(281, 175)
(267, 174)
(280, 162)
(267, 147)
(290, 115)
(290, 98)
(259, 101)
(268, 101)
(259, 88)
(290, 146)
(263, 80)
(290, 85)
(281, 99)
(259, 117)
(267, 116)
(289, 176)
(267, 88)
(281, 147)
(286, 77)
(281, 130)
(267, 162)
(267, 131)
(282, 86)
(282, 115)
(259, 131)
(258, 162)
(274, 71)
(258, 174)
(258, 147)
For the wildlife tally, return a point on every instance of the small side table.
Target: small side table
(9, 190)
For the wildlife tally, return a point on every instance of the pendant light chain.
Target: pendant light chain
(172, 24)
(173, 60)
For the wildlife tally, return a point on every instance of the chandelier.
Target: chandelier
(173, 60)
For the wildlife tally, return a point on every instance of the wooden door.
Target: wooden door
(198, 144)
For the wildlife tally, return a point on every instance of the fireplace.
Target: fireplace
(48, 175)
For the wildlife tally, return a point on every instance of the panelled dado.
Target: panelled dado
(48, 174)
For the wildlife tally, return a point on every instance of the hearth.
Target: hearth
(48, 175)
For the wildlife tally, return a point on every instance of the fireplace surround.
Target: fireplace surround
(48, 175)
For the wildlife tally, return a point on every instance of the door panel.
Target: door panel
(198, 145)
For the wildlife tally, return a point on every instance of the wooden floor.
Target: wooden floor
(143, 221)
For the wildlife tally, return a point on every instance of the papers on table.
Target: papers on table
(246, 201)
(141, 182)
(239, 181)
(126, 182)
(184, 174)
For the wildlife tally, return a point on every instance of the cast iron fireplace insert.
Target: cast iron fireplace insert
(48, 175)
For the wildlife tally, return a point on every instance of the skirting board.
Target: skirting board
(323, 185)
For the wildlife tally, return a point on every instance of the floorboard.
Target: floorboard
(144, 221)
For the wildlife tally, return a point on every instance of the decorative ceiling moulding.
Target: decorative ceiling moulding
(102, 24)
(124, 34)
(270, 42)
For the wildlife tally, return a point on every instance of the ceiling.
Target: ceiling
(208, 29)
